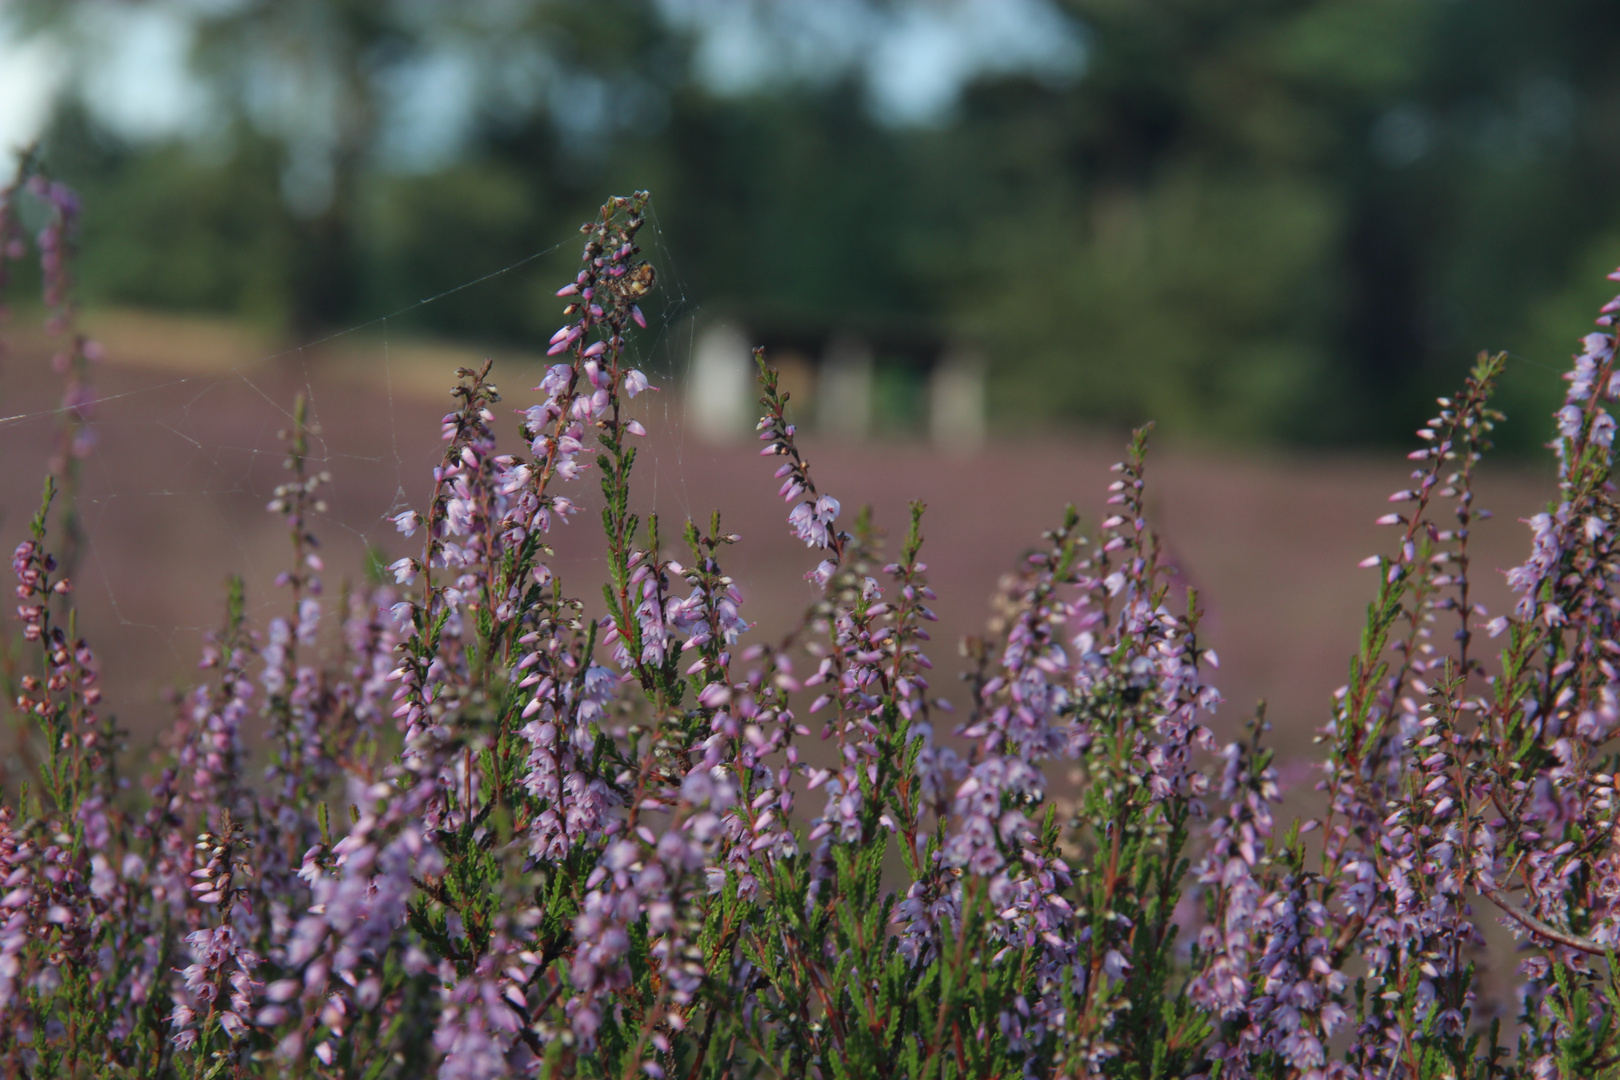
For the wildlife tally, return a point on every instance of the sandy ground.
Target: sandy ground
(187, 454)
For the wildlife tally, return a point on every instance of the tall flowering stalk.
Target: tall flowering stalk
(481, 828)
(1456, 790)
(1283, 938)
(53, 208)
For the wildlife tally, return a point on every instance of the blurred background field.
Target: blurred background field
(1277, 228)
(187, 454)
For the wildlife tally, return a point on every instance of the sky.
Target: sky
(915, 56)
(29, 75)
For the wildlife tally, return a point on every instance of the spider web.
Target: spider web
(190, 442)
(174, 494)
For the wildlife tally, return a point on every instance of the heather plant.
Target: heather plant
(466, 824)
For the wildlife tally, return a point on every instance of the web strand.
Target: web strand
(228, 466)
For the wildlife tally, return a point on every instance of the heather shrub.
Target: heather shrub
(460, 824)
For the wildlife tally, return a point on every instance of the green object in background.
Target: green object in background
(899, 397)
(1281, 223)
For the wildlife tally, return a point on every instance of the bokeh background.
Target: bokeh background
(1278, 228)
(1276, 221)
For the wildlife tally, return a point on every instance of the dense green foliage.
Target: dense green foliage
(1286, 220)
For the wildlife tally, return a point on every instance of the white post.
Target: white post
(844, 388)
(956, 410)
(719, 385)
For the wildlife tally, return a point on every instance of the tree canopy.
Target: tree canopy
(1282, 221)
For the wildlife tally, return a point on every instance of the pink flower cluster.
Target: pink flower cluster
(484, 829)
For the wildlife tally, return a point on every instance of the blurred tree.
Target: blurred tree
(310, 94)
(1283, 220)
(171, 226)
(1293, 219)
(303, 71)
(798, 207)
(1167, 237)
(1496, 174)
